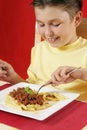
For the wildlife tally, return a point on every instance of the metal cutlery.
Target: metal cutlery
(50, 82)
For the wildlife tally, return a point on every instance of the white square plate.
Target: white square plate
(40, 114)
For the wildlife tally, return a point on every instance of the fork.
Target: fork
(50, 82)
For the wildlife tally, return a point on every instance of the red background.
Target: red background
(17, 23)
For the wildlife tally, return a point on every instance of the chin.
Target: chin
(55, 45)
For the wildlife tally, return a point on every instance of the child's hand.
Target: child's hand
(7, 72)
(62, 76)
(2, 72)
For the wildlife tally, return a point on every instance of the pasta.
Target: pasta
(22, 100)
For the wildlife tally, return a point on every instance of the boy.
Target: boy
(57, 21)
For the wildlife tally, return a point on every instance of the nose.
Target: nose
(48, 32)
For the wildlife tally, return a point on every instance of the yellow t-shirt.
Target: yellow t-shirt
(45, 59)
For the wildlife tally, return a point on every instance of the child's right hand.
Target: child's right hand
(7, 72)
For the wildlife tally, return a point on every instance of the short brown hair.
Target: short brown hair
(71, 6)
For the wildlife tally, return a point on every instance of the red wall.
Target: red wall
(85, 8)
(17, 32)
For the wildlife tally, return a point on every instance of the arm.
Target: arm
(7, 73)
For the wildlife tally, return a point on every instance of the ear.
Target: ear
(78, 18)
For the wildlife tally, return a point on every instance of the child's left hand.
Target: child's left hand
(61, 75)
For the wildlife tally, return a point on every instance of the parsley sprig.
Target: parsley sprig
(28, 90)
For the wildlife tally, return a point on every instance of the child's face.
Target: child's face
(55, 25)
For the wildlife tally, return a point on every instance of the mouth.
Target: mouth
(52, 40)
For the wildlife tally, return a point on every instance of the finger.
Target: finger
(58, 77)
(54, 80)
(69, 80)
(2, 72)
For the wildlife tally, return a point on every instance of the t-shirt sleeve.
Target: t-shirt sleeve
(32, 78)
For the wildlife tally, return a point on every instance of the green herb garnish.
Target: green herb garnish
(28, 90)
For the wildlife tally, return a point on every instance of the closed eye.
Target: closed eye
(55, 25)
(41, 25)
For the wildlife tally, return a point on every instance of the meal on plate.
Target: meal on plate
(24, 98)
